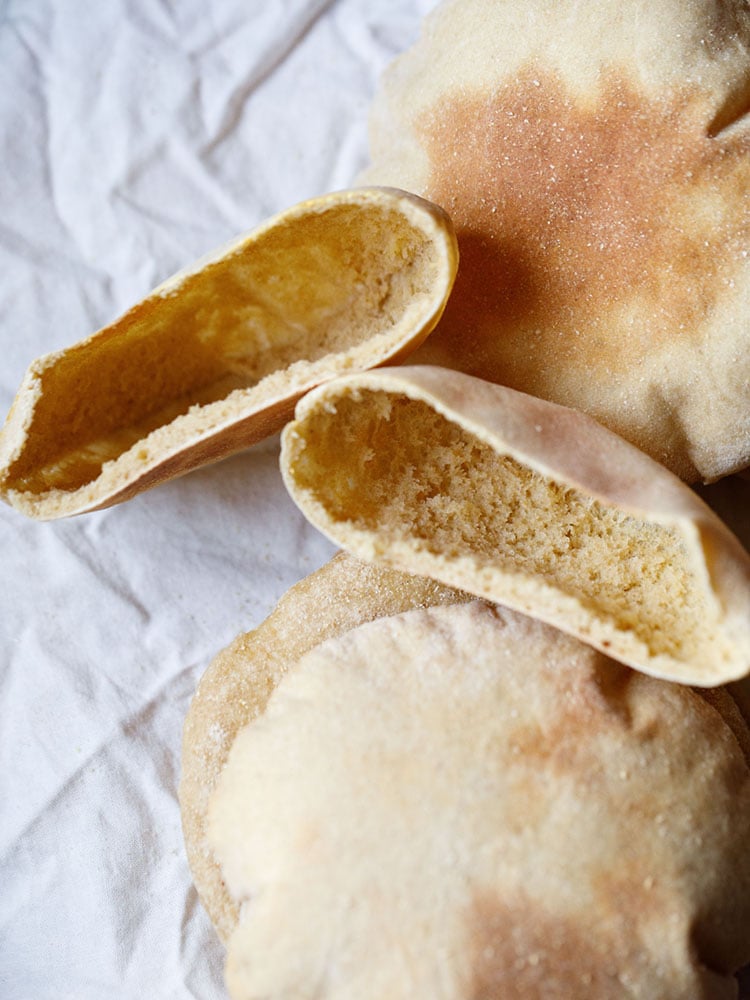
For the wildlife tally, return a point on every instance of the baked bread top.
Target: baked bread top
(594, 158)
(237, 685)
(463, 802)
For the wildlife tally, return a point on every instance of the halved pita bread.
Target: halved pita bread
(463, 802)
(236, 687)
(214, 359)
(527, 503)
(595, 159)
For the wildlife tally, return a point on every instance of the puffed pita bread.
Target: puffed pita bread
(214, 359)
(528, 503)
(464, 802)
(595, 159)
(236, 687)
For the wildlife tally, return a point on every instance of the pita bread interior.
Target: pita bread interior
(527, 503)
(214, 359)
(462, 802)
(595, 161)
(236, 687)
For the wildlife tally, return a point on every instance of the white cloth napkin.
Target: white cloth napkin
(136, 135)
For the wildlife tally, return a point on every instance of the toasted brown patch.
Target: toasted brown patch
(561, 210)
(589, 703)
(523, 953)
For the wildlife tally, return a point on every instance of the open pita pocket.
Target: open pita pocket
(236, 687)
(463, 802)
(595, 159)
(214, 359)
(527, 503)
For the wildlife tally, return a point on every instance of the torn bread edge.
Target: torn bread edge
(209, 432)
(568, 448)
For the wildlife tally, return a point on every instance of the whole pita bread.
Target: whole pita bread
(595, 159)
(527, 503)
(236, 687)
(464, 803)
(214, 359)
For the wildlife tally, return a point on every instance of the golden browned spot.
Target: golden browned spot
(589, 235)
(563, 748)
(589, 703)
(521, 952)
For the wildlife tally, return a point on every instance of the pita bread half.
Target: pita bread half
(236, 687)
(595, 160)
(463, 802)
(529, 504)
(214, 359)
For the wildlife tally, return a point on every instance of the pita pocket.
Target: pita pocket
(463, 802)
(237, 685)
(214, 359)
(527, 503)
(595, 159)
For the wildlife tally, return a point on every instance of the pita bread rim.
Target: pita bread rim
(117, 480)
(222, 676)
(720, 563)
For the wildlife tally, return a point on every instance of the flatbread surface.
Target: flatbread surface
(463, 802)
(595, 161)
(236, 687)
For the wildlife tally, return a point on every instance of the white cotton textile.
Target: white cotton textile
(136, 135)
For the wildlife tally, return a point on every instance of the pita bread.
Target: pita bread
(214, 359)
(595, 161)
(529, 504)
(463, 802)
(236, 687)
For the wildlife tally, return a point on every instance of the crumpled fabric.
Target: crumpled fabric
(135, 136)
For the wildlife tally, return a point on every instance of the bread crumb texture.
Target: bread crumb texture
(334, 284)
(391, 476)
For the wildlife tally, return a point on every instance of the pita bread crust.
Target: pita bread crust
(214, 359)
(529, 504)
(463, 802)
(236, 687)
(595, 161)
